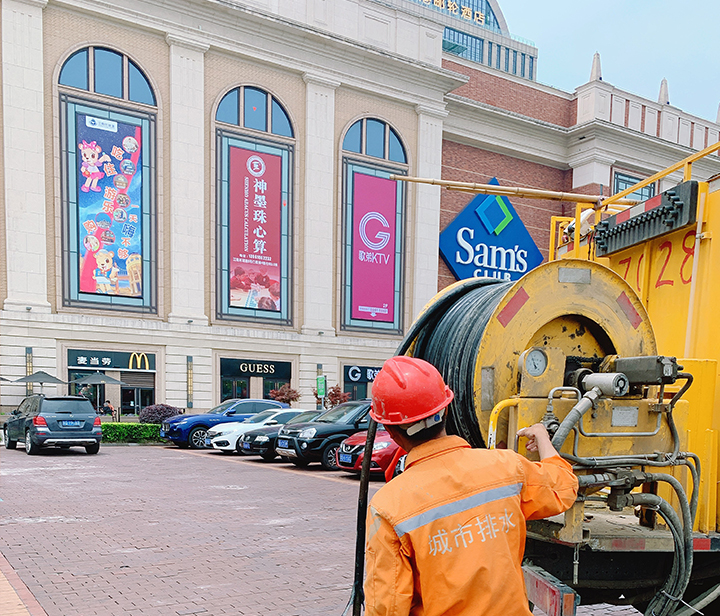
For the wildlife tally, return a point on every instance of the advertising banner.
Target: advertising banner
(109, 198)
(255, 229)
(374, 208)
(487, 239)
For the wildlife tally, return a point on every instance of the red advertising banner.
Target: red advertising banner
(373, 248)
(255, 229)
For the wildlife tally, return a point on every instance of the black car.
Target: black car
(262, 441)
(57, 421)
(319, 440)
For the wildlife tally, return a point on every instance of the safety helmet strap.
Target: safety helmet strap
(428, 422)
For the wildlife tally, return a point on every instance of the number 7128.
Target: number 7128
(674, 263)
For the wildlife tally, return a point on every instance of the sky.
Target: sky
(640, 42)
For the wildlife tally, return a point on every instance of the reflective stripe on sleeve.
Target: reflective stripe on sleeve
(443, 511)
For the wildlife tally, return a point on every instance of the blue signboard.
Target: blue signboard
(488, 239)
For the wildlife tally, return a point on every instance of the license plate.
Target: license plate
(246, 445)
(72, 424)
(162, 433)
(208, 442)
(282, 443)
(346, 458)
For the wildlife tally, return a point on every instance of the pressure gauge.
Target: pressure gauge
(535, 362)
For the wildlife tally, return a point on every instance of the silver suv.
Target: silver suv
(58, 421)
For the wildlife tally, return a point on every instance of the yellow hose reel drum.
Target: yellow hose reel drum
(514, 341)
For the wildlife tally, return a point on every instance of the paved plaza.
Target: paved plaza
(159, 531)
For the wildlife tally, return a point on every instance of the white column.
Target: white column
(319, 239)
(426, 234)
(24, 154)
(591, 168)
(187, 180)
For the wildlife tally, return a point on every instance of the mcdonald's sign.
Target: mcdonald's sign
(111, 360)
(138, 359)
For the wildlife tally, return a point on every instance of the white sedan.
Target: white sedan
(225, 436)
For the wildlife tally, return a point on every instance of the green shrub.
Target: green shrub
(131, 433)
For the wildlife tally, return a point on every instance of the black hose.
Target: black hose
(663, 602)
(574, 416)
(358, 596)
(453, 345)
(688, 518)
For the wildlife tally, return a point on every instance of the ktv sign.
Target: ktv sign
(488, 239)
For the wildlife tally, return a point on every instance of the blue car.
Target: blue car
(190, 430)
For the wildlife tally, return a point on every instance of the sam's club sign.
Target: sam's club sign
(488, 239)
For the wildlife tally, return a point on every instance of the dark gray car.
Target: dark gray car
(58, 421)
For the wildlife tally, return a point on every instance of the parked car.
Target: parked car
(57, 421)
(190, 430)
(319, 440)
(352, 451)
(262, 441)
(225, 436)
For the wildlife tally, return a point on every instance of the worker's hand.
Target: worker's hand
(538, 440)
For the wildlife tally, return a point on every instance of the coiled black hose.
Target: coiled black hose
(452, 344)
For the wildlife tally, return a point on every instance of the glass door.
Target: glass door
(134, 399)
(234, 387)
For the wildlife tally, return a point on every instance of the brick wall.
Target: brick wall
(507, 94)
(469, 164)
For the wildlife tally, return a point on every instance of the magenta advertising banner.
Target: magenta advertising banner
(255, 229)
(373, 249)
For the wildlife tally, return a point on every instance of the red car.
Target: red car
(385, 453)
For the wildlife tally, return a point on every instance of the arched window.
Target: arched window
(108, 176)
(374, 138)
(253, 108)
(373, 227)
(104, 71)
(254, 197)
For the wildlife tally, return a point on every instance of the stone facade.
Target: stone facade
(328, 64)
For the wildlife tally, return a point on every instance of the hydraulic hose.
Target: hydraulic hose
(573, 417)
(664, 601)
(700, 602)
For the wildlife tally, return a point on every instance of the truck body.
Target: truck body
(614, 344)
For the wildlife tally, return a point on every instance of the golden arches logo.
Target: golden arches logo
(138, 359)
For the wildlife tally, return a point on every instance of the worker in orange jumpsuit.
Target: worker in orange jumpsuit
(446, 537)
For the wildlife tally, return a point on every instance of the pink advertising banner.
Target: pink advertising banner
(373, 248)
(255, 229)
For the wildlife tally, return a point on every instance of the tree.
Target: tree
(333, 396)
(285, 394)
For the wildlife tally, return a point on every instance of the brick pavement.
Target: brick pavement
(158, 531)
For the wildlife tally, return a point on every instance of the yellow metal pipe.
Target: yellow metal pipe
(492, 424)
(576, 238)
(687, 172)
(553, 237)
(509, 191)
(685, 163)
(693, 283)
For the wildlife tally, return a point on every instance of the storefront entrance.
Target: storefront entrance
(357, 381)
(137, 392)
(246, 378)
(235, 388)
(135, 399)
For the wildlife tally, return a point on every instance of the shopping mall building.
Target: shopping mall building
(197, 199)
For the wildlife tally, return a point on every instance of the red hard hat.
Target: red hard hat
(406, 390)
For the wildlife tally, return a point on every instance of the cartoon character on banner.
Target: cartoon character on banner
(89, 167)
(106, 272)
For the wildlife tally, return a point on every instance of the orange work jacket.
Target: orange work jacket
(446, 538)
